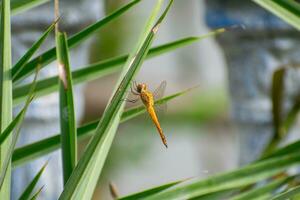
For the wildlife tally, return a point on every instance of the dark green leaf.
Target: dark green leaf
(66, 108)
(29, 189)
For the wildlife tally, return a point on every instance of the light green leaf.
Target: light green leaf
(5, 90)
(20, 6)
(148, 192)
(50, 55)
(288, 10)
(230, 180)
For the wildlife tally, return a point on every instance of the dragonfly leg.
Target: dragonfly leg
(131, 100)
(133, 91)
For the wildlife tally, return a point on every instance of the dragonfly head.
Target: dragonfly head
(140, 87)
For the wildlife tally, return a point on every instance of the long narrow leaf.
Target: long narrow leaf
(66, 108)
(230, 180)
(37, 149)
(288, 10)
(148, 192)
(277, 108)
(35, 196)
(11, 126)
(103, 68)
(5, 90)
(29, 189)
(262, 192)
(50, 55)
(25, 58)
(288, 194)
(19, 6)
(5, 168)
(290, 148)
(84, 178)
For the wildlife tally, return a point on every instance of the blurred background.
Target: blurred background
(201, 141)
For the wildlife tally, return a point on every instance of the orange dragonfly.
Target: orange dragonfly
(147, 97)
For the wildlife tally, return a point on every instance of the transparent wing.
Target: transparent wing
(160, 90)
(158, 94)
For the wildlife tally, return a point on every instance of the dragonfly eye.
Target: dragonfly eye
(139, 88)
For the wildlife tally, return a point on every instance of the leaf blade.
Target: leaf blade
(5, 89)
(230, 180)
(29, 189)
(287, 10)
(66, 108)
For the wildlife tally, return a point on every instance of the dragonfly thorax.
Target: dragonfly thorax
(141, 87)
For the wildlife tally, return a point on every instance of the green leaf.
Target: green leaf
(50, 55)
(288, 194)
(19, 6)
(277, 106)
(5, 168)
(29, 189)
(25, 58)
(11, 126)
(102, 68)
(148, 192)
(66, 108)
(40, 148)
(290, 148)
(230, 180)
(5, 89)
(288, 10)
(264, 192)
(85, 176)
(282, 125)
(35, 196)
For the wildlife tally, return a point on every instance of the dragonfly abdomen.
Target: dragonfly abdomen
(154, 118)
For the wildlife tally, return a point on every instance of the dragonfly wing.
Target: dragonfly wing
(160, 90)
(158, 94)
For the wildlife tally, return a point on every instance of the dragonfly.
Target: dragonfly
(147, 97)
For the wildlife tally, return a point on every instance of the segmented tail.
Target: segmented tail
(154, 118)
